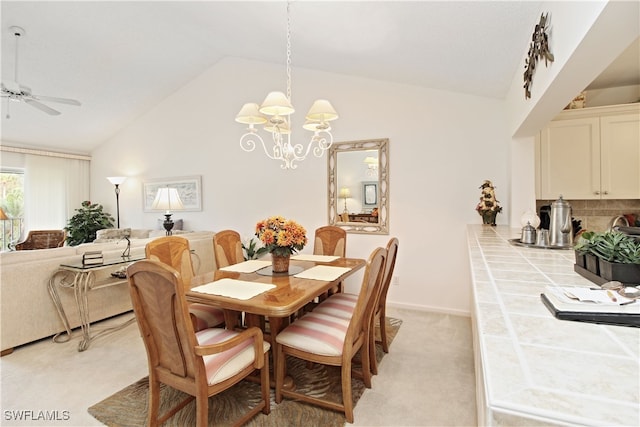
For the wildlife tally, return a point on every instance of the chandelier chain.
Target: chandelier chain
(288, 52)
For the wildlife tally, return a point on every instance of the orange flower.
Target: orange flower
(280, 235)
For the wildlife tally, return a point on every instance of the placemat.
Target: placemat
(247, 266)
(326, 273)
(316, 258)
(232, 288)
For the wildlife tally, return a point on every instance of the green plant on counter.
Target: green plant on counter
(585, 243)
(83, 226)
(612, 246)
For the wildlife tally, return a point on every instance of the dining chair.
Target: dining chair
(227, 248)
(175, 252)
(343, 304)
(329, 340)
(200, 364)
(330, 240)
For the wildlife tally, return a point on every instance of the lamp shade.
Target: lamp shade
(370, 160)
(3, 215)
(250, 115)
(344, 193)
(116, 180)
(321, 111)
(276, 104)
(315, 126)
(167, 199)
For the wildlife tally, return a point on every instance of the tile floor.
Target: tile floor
(427, 379)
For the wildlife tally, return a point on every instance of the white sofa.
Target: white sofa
(27, 312)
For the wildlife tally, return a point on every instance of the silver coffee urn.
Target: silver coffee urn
(560, 225)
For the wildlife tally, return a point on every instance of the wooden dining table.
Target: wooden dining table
(278, 304)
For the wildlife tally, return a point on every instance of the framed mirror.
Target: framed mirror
(358, 186)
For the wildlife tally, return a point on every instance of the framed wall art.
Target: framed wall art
(189, 189)
(370, 193)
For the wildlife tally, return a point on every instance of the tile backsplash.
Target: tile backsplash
(596, 215)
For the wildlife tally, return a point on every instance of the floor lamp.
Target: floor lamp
(167, 199)
(117, 180)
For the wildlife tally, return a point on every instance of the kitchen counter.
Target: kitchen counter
(531, 368)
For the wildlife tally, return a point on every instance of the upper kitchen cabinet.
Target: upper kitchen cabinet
(590, 153)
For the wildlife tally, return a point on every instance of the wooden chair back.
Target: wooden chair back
(390, 264)
(227, 248)
(174, 355)
(379, 313)
(157, 294)
(42, 239)
(330, 240)
(371, 283)
(173, 251)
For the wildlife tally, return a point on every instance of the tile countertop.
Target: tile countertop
(531, 368)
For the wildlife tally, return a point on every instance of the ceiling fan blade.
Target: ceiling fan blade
(42, 107)
(54, 99)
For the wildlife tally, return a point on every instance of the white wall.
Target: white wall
(442, 146)
(584, 37)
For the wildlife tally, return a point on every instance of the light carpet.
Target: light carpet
(128, 407)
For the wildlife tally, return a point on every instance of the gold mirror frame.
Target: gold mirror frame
(382, 146)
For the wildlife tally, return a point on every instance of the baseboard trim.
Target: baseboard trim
(431, 309)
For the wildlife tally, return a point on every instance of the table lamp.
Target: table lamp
(167, 199)
(345, 193)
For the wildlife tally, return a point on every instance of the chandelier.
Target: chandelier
(275, 114)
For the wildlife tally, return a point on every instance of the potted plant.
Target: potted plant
(618, 256)
(585, 257)
(250, 250)
(83, 226)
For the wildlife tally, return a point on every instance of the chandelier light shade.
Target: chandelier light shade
(275, 114)
(3, 216)
(167, 199)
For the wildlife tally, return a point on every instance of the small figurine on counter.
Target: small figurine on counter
(488, 207)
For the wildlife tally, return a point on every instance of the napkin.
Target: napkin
(238, 289)
(247, 266)
(316, 258)
(326, 273)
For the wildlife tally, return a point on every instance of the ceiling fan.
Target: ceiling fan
(14, 91)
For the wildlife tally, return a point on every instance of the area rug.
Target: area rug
(128, 407)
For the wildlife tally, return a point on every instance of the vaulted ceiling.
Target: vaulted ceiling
(122, 58)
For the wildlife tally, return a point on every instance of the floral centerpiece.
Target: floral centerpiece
(488, 207)
(281, 237)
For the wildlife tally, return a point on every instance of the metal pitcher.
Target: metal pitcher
(560, 225)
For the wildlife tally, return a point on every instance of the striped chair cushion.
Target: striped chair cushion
(206, 316)
(224, 365)
(339, 305)
(316, 333)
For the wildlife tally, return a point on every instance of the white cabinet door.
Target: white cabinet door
(570, 159)
(620, 156)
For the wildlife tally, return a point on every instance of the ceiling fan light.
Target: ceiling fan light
(250, 115)
(276, 104)
(322, 111)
